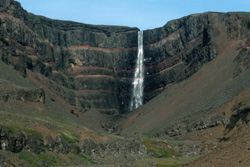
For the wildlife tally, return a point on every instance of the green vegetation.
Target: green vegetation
(70, 137)
(53, 159)
(13, 129)
(149, 134)
(89, 161)
(165, 162)
(48, 158)
(160, 149)
(9, 128)
(161, 162)
(33, 132)
(174, 162)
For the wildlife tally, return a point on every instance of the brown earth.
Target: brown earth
(234, 148)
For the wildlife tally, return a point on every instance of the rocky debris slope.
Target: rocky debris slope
(122, 151)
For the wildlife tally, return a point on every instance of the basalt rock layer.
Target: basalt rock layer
(97, 62)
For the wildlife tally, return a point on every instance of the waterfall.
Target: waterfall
(138, 82)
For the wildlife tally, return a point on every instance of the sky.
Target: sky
(144, 14)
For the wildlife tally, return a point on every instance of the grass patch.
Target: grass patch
(174, 162)
(53, 159)
(89, 161)
(165, 162)
(14, 129)
(151, 133)
(70, 137)
(33, 132)
(27, 157)
(48, 158)
(159, 149)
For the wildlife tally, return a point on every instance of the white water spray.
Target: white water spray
(138, 83)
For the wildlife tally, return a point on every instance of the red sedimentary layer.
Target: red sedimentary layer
(32, 57)
(164, 39)
(235, 43)
(77, 91)
(20, 21)
(101, 68)
(166, 69)
(28, 47)
(94, 76)
(171, 58)
(98, 75)
(12, 17)
(153, 66)
(83, 68)
(73, 48)
(195, 38)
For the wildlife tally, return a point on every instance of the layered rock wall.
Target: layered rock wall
(98, 62)
(177, 50)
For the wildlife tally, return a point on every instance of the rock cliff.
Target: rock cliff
(97, 62)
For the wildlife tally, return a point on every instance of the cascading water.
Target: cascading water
(138, 82)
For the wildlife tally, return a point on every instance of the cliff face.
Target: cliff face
(203, 60)
(94, 62)
(180, 48)
(93, 66)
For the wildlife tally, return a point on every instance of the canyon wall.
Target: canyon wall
(95, 63)
(93, 66)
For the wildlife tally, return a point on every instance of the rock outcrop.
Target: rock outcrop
(98, 62)
(120, 149)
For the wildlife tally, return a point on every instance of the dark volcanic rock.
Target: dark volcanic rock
(33, 144)
(97, 62)
(120, 149)
(76, 56)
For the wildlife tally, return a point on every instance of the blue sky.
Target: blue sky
(144, 14)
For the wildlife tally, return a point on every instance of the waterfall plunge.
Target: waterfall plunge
(138, 82)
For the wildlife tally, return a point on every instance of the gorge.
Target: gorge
(77, 94)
